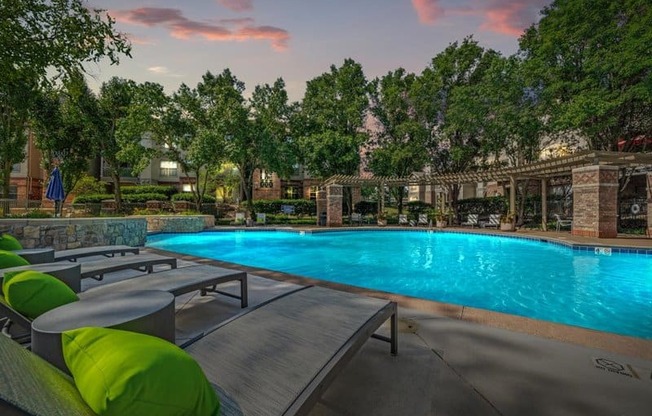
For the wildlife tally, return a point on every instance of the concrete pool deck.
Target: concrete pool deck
(449, 366)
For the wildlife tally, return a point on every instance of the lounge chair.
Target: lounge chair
(48, 255)
(494, 221)
(471, 220)
(423, 220)
(179, 281)
(299, 342)
(562, 223)
(402, 219)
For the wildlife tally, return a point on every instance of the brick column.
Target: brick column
(595, 201)
(334, 210)
(649, 204)
(321, 203)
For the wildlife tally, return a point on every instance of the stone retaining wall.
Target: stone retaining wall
(179, 223)
(68, 233)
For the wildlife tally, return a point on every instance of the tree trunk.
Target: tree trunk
(115, 175)
(6, 178)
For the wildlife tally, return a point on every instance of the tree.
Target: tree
(396, 147)
(333, 115)
(222, 114)
(64, 129)
(593, 59)
(41, 40)
(450, 106)
(113, 106)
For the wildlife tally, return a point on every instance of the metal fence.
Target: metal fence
(632, 216)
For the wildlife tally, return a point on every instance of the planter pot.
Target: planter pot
(506, 226)
(441, 224)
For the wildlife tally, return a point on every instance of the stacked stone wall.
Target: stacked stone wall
(63, 233)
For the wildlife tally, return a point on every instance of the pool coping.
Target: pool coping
(608, 341)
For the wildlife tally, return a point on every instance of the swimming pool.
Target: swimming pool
(534, 279)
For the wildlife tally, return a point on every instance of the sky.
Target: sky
(175, 42)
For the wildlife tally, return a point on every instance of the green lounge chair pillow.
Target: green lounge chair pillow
(11, 259)
(8, 242)
(126, 373)
(33, 293)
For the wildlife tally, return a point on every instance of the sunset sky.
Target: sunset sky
(176, 42)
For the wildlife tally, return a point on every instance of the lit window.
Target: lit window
(187, 187)
(266, 179)
(168, 168)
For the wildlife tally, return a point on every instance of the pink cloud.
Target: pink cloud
(428, 11)
(181, 27)
(511, 17)
(237, 5)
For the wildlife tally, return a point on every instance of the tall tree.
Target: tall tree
(64, 128)
(593, 59)
(396, 145)
(222, 111)
(450, 106)
(333, 113)
(114, 102)
(40, 40)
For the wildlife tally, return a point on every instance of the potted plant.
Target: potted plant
(441, 218)
(507, 222)
(382, 219)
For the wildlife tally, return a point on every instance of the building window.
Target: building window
(187, 187)
(16, 168)
(169, 168)
(13, 192)
(266, 179)
(313, 192)
(291, 192)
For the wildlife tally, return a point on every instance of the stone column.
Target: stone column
(595, 201)
(322, 205)
(334, 210)
(649, 204)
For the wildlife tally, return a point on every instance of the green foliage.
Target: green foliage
(189, 197)
(88, 185)
(593, 60)
(91, 198)
(32, 214)
(166, 190)
(366, 207)
(418, 207)
(483, 206)
(144, 197)
(301, 206)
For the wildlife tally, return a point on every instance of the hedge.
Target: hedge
(92, 199)
(166, 190)
(98, 198)
(189, 197)
(417, 207)
(482, 206)
(273, 206)
(366, 207)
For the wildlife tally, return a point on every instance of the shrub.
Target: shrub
(88, 185)
(92, 199)
(32, 214)
(481, 206)
(273, 206)
(189, 197)
(417, 207)
(366, 207)
(165, 190)
(143, 197)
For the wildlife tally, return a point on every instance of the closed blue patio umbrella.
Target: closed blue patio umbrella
(55, 190)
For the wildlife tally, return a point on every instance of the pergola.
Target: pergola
(542, 170)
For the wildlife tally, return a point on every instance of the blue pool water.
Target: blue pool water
(538, 280)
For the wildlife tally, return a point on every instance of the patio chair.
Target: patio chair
(299, 342)
(562, 223)
(423, 220)
(402, 219)
(261, 218)
(494, 221)
(356, 218)
(471, 220)
(48, 255)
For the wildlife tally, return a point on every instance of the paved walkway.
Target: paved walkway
(449, 366)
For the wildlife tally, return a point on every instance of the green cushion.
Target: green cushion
(10, 259)
(9, 242)
(33, 293)
(127, 373)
